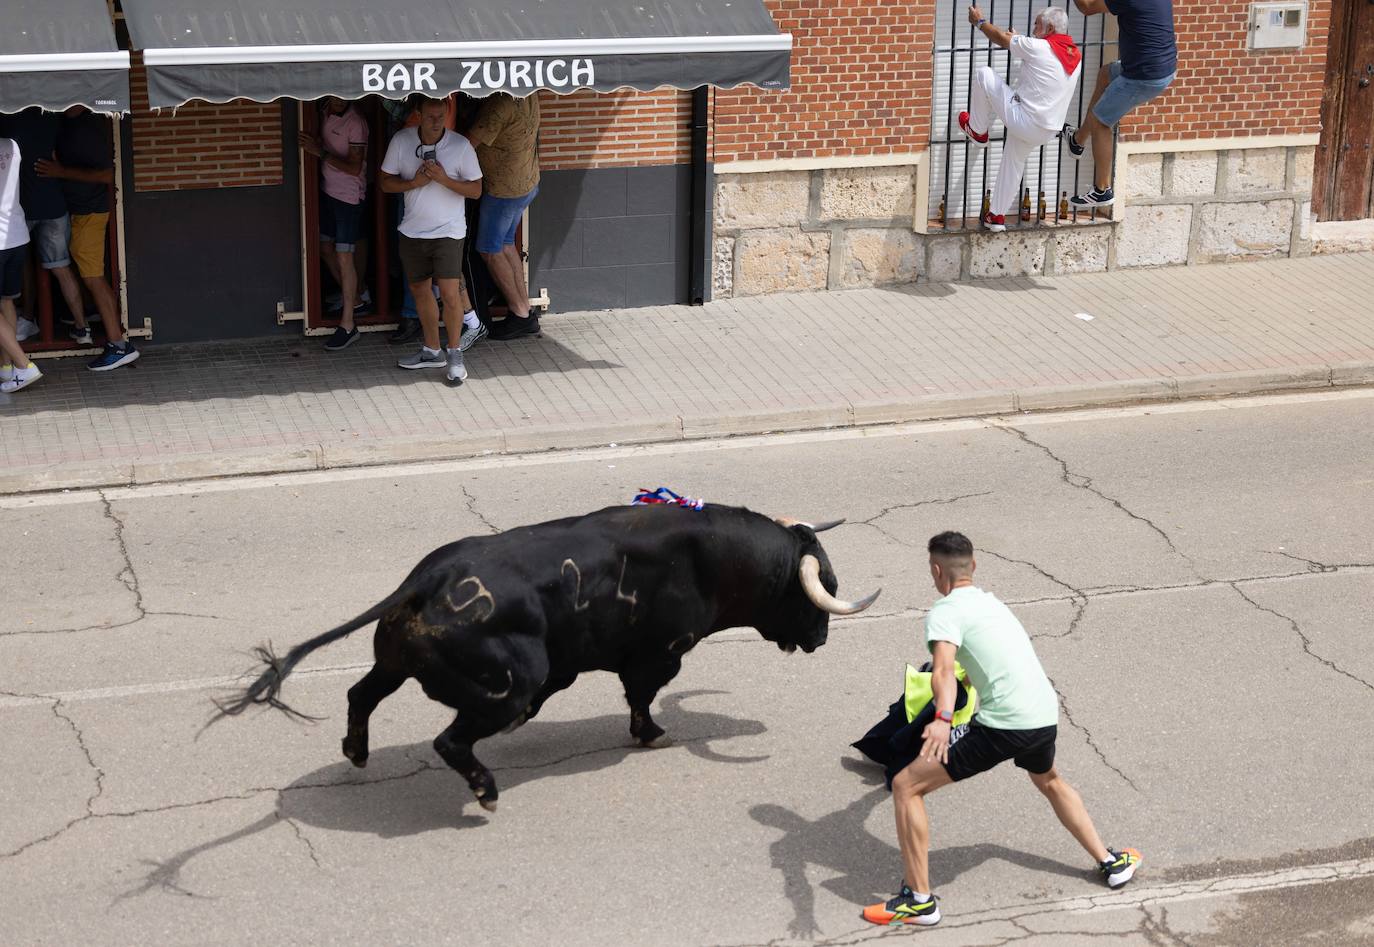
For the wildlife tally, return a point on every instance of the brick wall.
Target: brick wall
(1223, 89)
(861, 75)
(619, 129)
(204, 146)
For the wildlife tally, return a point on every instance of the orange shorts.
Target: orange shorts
(88, 243)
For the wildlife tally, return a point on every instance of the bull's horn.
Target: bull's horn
(815, 528)
(810, 572)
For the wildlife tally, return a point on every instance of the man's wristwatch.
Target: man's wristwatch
(944, 715)
(979, 24)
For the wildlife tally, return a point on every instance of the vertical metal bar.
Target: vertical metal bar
(987, 158)
(381, 233)
(949, 111)
(699, 286)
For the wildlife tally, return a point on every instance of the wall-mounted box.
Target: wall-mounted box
(1278, 25)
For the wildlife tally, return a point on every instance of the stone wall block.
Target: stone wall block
(1303, 161)
(868, 193)
(723, 268)
(1081, 249)
(1246, 230)
(773, 199)
(1007, 254)
(778, 261)
(1144, 176)
(1194, 172)
(1154, 236)
(1257, 170)
(881, 256)
(944, 259)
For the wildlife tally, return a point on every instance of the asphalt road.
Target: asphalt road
(1197, 579)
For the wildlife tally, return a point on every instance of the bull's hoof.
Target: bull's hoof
(485, 797)
(354, 755)
(657, 743)
(489, 806)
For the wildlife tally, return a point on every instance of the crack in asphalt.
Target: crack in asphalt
(1302, 637)
(1077, 596)
(872, 523)
(300, 834)
(1084, 482)
(1088, 736)
(472, 508)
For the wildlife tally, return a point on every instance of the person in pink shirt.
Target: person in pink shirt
(342, 150)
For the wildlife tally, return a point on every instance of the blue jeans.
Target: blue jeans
(1123, 94)
(498, 218)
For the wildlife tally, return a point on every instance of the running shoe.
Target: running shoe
(21, 378)
(114, 356)
(514, 327)
(81, 335)
(471, 336)
(1067, 134)
(967, 129)
(407, 330)
(1119, 869)
(1097, 197)
(341, 339)
(26, 329)
(904, 909)
(457, 371)
(424, 358)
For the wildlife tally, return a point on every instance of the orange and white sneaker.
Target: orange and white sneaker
(906, 908)
(1119, 869)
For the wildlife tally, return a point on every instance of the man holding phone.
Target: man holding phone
(437, 172)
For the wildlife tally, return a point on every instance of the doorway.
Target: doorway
(1344, 185)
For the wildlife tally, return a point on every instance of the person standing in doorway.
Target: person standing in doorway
(506, 136)
(1033, 111)
(45, 208)
(1148, 64)
(85, 165)
(342, 150)
(1017, 719)
(437, 171)
(16, 369)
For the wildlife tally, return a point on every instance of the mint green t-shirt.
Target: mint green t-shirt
(1013, 691)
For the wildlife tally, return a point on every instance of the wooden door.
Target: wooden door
(1344, 188)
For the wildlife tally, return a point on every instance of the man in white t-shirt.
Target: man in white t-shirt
(1033, 112)
(437, 172)
(16, 370)
(1017, 719)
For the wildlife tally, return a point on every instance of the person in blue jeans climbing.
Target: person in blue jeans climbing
(1148, 64)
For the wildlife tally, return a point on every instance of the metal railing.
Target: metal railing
(961, 180)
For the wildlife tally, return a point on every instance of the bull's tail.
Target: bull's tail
(267, 688)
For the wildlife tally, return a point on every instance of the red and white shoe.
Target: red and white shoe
(967, 129)
(997, 223)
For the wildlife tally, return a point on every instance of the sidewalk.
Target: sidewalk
(773, 363)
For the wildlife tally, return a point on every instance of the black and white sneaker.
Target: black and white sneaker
(341, 339)
(1097, 197)
(1074, 147)
(1119, 869)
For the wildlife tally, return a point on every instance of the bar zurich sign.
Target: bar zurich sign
(481, 75)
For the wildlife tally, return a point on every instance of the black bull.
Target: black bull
(492, 626)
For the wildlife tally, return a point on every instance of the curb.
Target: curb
(87, 475)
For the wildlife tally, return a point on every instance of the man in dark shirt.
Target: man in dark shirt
(85, 165)
(1148, 63)
(45, 206)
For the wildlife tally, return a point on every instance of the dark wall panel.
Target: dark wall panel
(213, 263)
(609, 238)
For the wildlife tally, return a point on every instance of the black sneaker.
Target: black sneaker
(904, 909)
(341, 339)
(513, 327)
(1119, 869)
(407, 331)
(1097, 197)
(1075, 148)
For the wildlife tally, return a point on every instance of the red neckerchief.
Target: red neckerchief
(1068, 54)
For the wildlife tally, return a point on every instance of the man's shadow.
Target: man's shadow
(866, 867)
(409, 790)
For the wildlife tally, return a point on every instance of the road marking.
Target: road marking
(668, 448)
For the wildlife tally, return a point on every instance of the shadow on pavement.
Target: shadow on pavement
(868, 867)
(413, 791)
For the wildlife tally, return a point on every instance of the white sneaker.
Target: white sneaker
(26, 329)
(22, 378)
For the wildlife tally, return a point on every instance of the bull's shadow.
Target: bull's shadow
(867, 867)
(408, 790)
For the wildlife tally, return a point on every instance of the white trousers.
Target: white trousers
(990, 98)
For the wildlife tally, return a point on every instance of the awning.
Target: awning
(218, 50)
(57, 53)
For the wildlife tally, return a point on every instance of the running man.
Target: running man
(1017, 718)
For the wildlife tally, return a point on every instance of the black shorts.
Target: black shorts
(982, 748)
(12, 271)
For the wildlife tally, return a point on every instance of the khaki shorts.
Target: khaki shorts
(88, 243)
(431, 258)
